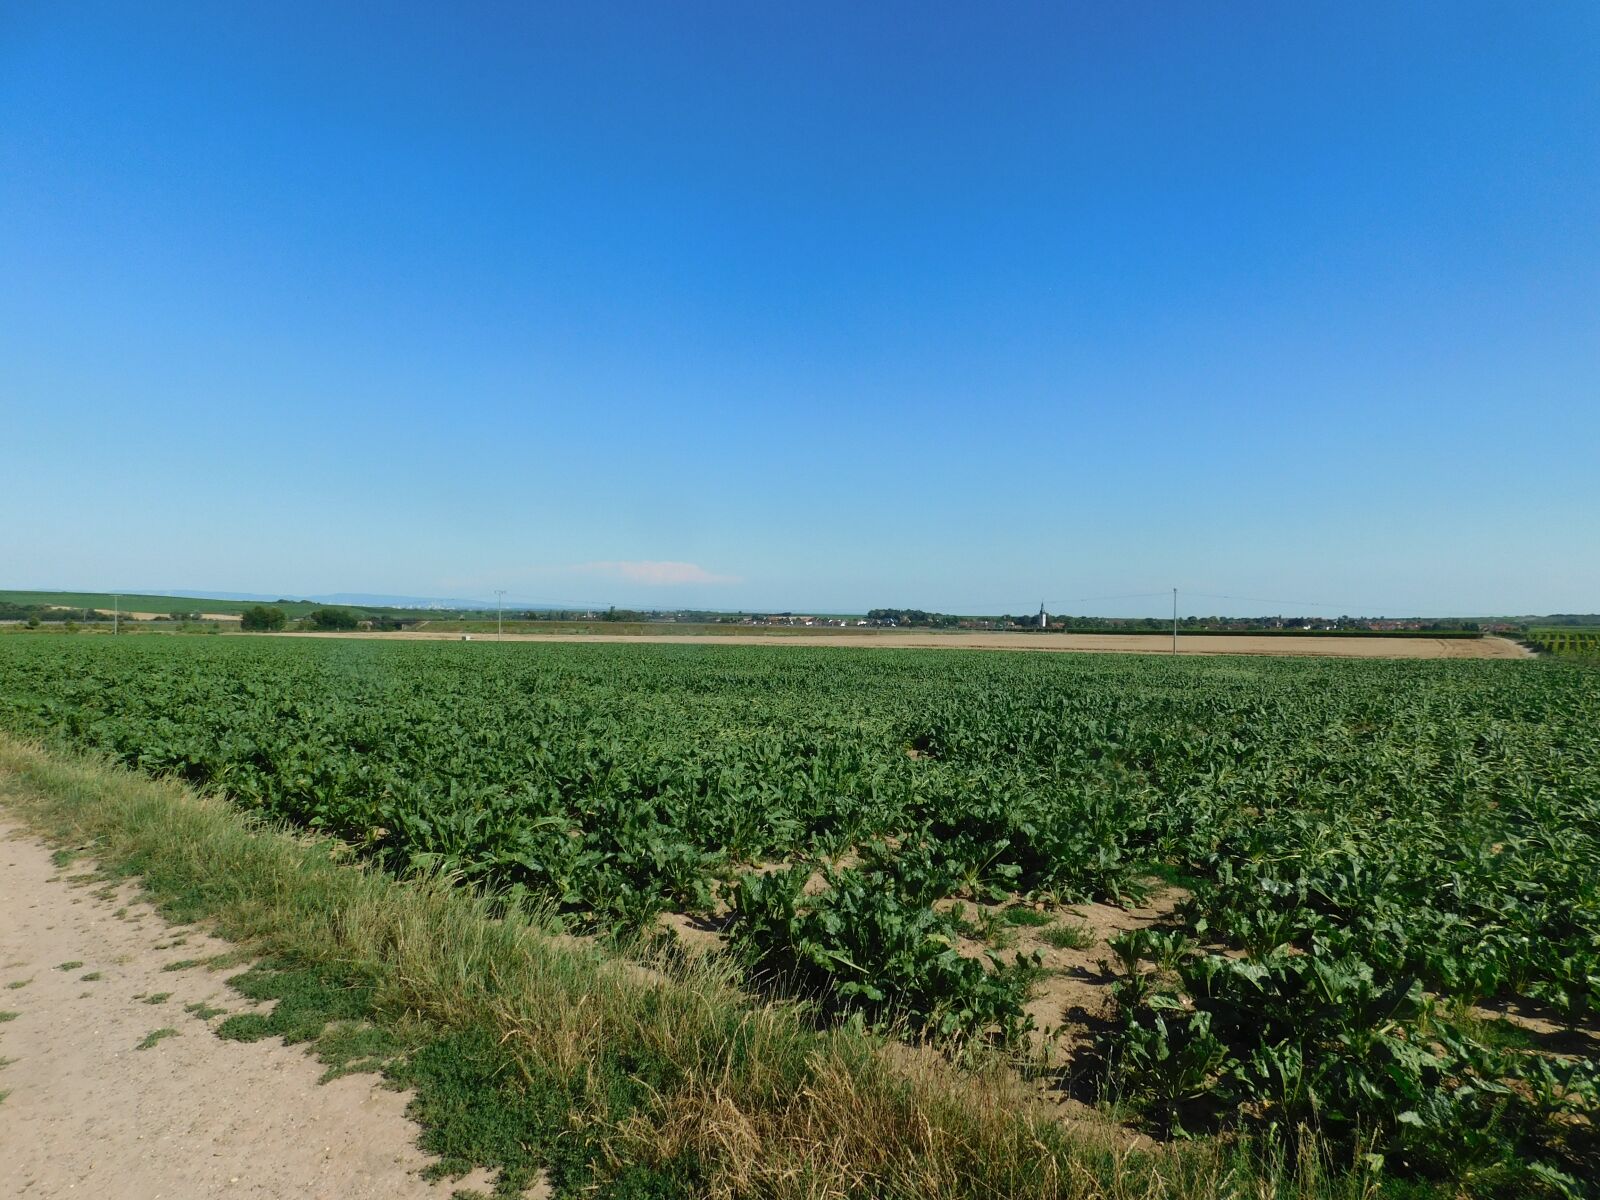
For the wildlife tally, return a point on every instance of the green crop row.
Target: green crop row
(1580, 642)
(1376, 854)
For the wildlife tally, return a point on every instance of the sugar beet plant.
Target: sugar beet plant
(1286, 1041)
(868, 940)
(1371, 849)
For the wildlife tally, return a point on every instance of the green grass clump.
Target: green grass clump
(1069, 937)
(1032, 917)
(73, 965)
(154, 1036)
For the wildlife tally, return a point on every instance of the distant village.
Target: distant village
(295, 615)
(913, 618)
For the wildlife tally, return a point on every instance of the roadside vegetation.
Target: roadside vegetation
(541, 1056)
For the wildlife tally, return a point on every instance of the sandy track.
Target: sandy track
(1098, 643)
(190, 1118)
(154, 616)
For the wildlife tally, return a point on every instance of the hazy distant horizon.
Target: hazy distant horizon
(511, 603)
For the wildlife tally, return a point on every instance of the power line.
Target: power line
(1127, 596)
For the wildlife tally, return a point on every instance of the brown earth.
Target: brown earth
(132, 615)
(1126, 643)
(155, 616)
(87, 1112)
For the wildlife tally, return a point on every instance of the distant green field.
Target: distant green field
(481, 624)
(128, 603)
(1578, 640)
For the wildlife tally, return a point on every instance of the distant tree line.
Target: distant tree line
(912, 616)
(329, 620)
(266, 618)
(262, 619)
(40, 612)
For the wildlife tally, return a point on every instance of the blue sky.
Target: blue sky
(819, 306)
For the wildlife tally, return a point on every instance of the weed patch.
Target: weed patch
(1069, 937)
(1034, 917)
(154, 1036)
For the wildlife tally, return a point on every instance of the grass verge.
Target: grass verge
(536, 1055)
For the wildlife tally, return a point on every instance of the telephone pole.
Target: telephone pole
(1174, 620)
(499, 620)
(116, 613)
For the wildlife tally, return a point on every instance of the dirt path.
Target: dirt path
(88, 1113)
(1098, 643)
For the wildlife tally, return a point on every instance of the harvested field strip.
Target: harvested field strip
(1276, 645)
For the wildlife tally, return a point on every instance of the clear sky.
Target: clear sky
(813, 306)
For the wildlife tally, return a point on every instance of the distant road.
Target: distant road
(1123, 643)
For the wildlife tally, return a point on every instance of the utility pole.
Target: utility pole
(116, 613)
(1174, 620)
(499, 619)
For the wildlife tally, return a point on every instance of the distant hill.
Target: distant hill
(237, 602)
(351, 600)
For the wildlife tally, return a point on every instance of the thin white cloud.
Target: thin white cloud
(655, 574)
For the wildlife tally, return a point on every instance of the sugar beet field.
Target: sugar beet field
(1369, 891)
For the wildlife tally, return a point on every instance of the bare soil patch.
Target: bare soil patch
(1076, 994)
